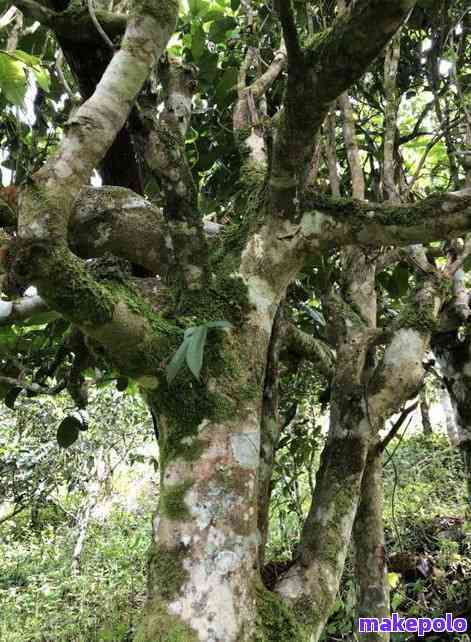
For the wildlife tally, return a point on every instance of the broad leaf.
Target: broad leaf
(68, 431)
(12, 396)
(12, 79)
(194, 354)
(177, 361)
(219, 324)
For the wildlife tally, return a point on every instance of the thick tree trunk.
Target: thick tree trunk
(203, 562)
(370, 558)
(203, 572)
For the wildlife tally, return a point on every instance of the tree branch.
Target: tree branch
(306, 346)
(326, 222)
(75, 26)
(46, 203)
(333, 61)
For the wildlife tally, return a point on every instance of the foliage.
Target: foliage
(42, 600)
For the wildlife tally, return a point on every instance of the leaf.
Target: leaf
(393, 579)
(315, 314)
(68, 431)
(177, 361)
(42, 78)
(28, 59)
(12, 79)
(198, 7)
(198, 42)
(226, 86)
(219, 324)
(12, 396)
(192, 349)
(194, 354)
(122, 384)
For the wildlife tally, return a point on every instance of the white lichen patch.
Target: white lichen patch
(312, 222)
(246, 448)
(405, 350)
(262, 297)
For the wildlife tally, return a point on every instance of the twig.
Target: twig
(396, 427)
(99, 28)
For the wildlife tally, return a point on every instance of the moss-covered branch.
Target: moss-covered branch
(306, 346)
(318, 74)
(74, 24)
(330, 222)
(118, 221)
(46, 203)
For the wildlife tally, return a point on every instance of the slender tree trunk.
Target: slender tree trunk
(270, 431)
(450, 422)
(425, 413)
(455, 360)
(370, 556)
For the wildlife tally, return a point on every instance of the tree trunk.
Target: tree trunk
(370, 557)
(203, 567)
(425, 413)
(454, 357)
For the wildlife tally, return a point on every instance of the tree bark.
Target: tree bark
(425, 413)
(370, 555)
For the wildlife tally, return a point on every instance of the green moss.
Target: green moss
(164, 12)
(419, 317)
(172, 501)
(166, 572)
(64, 283)
(276, 621)
(160, 626)
(226, 298)
(184, 405)
(318, 40)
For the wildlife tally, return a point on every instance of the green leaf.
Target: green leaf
(393, 579)
(122, 384)
(192, 349)
(226, 86)
(195, 352)
(198, 7)
(12, 79)
(68, 431)
(40, 73)
(42, 78)
(218, 29)
(28, 59)
(397, 284)
(219, 324)
(177, 361)
(198, 42)
(12, 396)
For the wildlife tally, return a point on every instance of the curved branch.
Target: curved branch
(326, 222)
(306, 346)
(116, 220)
(75, 26)
(103, 313)
(334, 60)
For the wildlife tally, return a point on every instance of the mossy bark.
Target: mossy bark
(370, 557)
(204, 554)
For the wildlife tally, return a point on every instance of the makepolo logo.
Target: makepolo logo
(421, 625)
